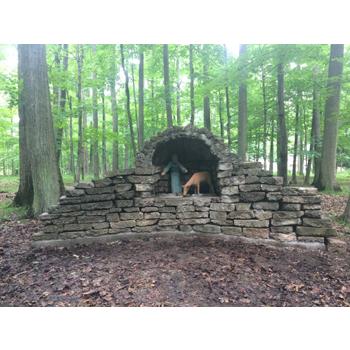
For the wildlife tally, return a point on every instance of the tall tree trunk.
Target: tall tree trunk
(316, 133)
(296, 135)
(301, 147)
(141, 100)
(87, 164)
(178, 92)
(191, 85)
(242, 107)
(282, 138)
(104, 147)
(229, 139)
(263, 79)
(95, 155)
(25, 194)
(328, 162)
(220, 117)
(115, 153)
(71, 146)
(62, 105)
(206, 100)
(40, 137)
(80, 162)
(127, 93)
(135, 103)
(167, 86)
(271, 153)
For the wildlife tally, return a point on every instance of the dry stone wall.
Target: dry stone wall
(251, 203)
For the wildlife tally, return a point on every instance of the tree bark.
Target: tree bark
(271, 153)
(115, 146)
(296, 135)
(191, 84)
(141, 100)
(25, 194)
(220, 117)
(282, 138)
(178, 92)
(40, 137)
(263, 79)
(206, 99)
(229, 139)
(328, 162)
(242, 107)
(135, 103)
(71, 145)
(346, 214)
(167, 85)
(104, 146)
(127, 93)
(80, 162)
(95, 155)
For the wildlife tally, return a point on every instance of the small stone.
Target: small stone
(201, 201)
(100, 225)
(145, 202)
(74, 192)
(290, 206)
(167, 210)
(97, 198)
(98, 205)
(272, 180)
(146, 222)
(274, 196)
(113, 217)
(168, 222)
(186, 208)
(185, 228)
(316, 231)
(218, 215)
(245, 214)
(103, 182)
(232, 230)
(283, 237)
(313, 214)
(311, 207)
(252, 223)
(91, 219)
(222, 207)
(76, 227)
(281, 229)
(250, 188)
(152, 215)
(123, 224)
(124, 203)
(83, 185)
(167, 215)
(243, 206)
(335, 245)
(312, 239)
(252, 196)
(207, 228)
(270, 188)
(256, 232)
(229, 190)
(143, 187)
(99, 190)
(251, 179)
(266, 206)
(149, 209)
(317, 222)
(195, 221)
(195, 215)
(131, 216)
(281, 215)
(285, 222)
(123, 187)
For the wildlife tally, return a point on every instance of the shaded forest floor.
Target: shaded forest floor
(183, 271)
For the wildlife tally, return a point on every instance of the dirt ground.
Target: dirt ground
(184, 271)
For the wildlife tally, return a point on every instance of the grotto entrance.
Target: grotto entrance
(194, 154)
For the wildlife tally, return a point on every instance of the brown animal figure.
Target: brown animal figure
(196, 180)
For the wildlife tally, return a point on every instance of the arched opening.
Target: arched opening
(193, 153)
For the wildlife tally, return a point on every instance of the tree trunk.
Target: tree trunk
(71, 146)
(263, 79)
(178, 92)
(220, 117)
(62, 105)
(229, 139)
(328, 162)
(127, 93)
(242, 107)
(115, 153)
(40, 138)
(25, 194)
(316, 133)
(296, 135)
(301, 147)
(271, 154)
(346, 214)
(167, 86)
(191, 85)
(95, 155)
(141, 101)
(206, 100)
(104, 147)
(80, 162)
(282, 138)
(135, 103)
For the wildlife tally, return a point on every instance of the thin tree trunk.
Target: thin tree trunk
(178, 92)
(220, 117)
(95, 155)
(229, 139)
(296, 135)
(80, 163)
(316, 133)
(271, 153)
(87, 165)
(242, 108)
(282, 138)
(328, 162)
(40, 137)
(127, 93)
(191, 85)
(135, 103)
(104, 147)
(115, 146)
(263, 79)
(141, 100)
(167, 86)
(301, 147)
(71, 146)
(25, 194)
(206, 100)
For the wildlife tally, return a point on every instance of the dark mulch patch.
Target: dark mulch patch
(167, 272)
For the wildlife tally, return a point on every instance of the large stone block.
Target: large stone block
(97, 206)
(202, 201)
(195, 221)
(313, 214)
(231, 230)
(176, 201)
(67, 208)
(299, 191)
(224, 173)
(168, 222)
(282, 229)
(312, 199)
(167, 209)
(145, 202)
(311, 206)
(74, 192)
(315, 222)
(149, 209)
(123, 224)
(262, 214)
(245, 214)
(250, 188)
(251, 179)
(84, 185)
(229, 190)
(195, 215)
(256, 232)
(218, 215)
(70, 200)
(185, 228)
(266, 206)
(293, 199)
(222, 222)
(252, 196)
(290, 206)
(103, 182)
(91, 219)
(285, 222)
(186, 208)
(100, 190)
(122, 187)
(270, 188)
(283, 237)
(97, 198)
(113, 217)
(252, 223)
(207, 228)
(275, 180)
(225, 166)
(238, 180)
(100, 225)
(281, 215)
(143, 187)
(76, 227)
(168, 215)
(311, 239)
(243, 206)
(130, 209)
(146, 222)
(122, 203)
(316, 231)
(229, 199)
(131, 216)
(125, 195)
(152, 215)
(222, 206)
(274, 196)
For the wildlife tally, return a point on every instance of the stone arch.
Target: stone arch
(197, 149)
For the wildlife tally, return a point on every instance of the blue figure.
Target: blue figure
(174, 166)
